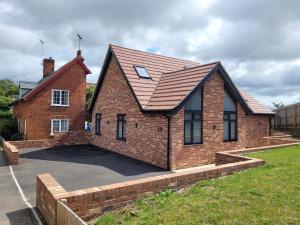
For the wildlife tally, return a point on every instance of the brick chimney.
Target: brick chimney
(48, 66)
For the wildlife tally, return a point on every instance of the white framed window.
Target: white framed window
(60, 97)
(59, 126)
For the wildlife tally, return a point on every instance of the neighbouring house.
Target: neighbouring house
(55, 104)
(170, 112)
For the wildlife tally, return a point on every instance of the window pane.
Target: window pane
(55, 126)
(197, 132)
(124, 128)
(64, 125)
(187, 132)
(229, 104)
(232, 116)
(197, 115)
(225, 130)
(187, 116)
(120, 129)
(64, 98)
(142, 72)
(194, 103)
(226, 117)
(56, 97)
(232, 130)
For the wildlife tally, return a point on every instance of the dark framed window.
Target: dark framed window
(193, 119)
(98, 123)
(192, 127)
(230, 119)
(121, 126)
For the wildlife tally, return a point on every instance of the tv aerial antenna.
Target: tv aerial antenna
(79, 40)
(42, 43)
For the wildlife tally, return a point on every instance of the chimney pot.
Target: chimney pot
(78, 53)
(48, 66)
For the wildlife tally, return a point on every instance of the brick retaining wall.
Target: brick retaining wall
(92, 202)
(225, 158)
(48, 192)
(11, 153)
(70, 138)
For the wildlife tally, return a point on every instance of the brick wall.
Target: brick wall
(70, 138)
(48, 191)
(197, 154)
(92, 202)
(11, 152)
(38, 111)
(258, 127)
(145, 140)
(225, 158)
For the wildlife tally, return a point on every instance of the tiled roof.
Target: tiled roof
(154, 64)
(255, 105)
(171, 80)
(173, 87)
(46, 80)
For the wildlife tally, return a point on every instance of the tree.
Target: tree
(5, 103)
(89, 94)
(8, 91)
(8, 88)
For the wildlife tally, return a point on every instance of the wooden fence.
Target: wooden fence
(287, 117)
(65, 216)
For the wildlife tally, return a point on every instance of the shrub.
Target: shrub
(17, 137)
(6, 114)
(5, 103)
(8, 127)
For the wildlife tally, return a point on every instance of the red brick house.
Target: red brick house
(56, 104)
(170, 112)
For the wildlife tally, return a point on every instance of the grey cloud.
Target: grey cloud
(251, 38)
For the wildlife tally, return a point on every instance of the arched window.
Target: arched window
(230, 119)
(193, 119)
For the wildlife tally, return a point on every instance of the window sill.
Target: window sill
(58, 133)
(60, 105)
(235, 140)
(121, 139)
(187, 144)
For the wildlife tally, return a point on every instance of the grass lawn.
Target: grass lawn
(265, 195)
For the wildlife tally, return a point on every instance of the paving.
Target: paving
(74, 167)
(78, 167)
(13, 211)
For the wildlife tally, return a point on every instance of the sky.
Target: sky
(258, 42)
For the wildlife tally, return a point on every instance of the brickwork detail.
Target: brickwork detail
(146, 134)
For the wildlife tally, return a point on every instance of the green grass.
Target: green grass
(264, 195)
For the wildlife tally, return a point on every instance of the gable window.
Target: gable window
(230, 119)
(121, 126)
(59, 126)
(60, 98)
(142, 72)
(193, 119)
(98, 123)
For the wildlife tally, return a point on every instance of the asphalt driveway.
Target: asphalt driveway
(13, 211)
(78, 167)
(74, 167)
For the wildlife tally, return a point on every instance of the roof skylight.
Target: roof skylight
(142, 72)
